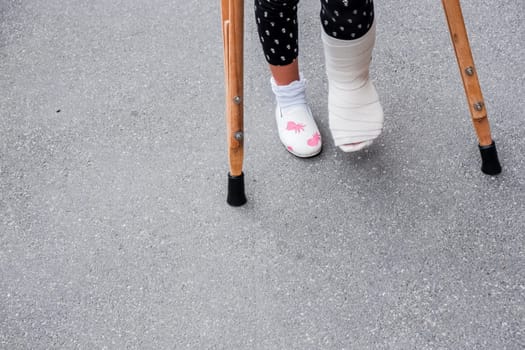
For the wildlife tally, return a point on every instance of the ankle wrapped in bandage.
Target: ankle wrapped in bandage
(354, 111)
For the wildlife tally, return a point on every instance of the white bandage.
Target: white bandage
(354, 111)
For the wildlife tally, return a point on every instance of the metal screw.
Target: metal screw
(238, 136)
(469, 70)
(237, 100)
(478, 106)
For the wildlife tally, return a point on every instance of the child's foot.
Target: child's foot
(296, 125)
(354, 111)
(298, 131)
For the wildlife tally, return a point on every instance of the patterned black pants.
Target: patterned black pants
(278, 29)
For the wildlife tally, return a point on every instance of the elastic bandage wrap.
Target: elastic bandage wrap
(354, 111)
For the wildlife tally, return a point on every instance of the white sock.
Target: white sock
(291, 94)
(354, 111)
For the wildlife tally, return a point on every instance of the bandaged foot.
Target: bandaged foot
(297, 128)
(354, 112)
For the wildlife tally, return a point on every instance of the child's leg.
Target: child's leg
(278, 32)
(347, 19)
(284, 75)
(355, 114)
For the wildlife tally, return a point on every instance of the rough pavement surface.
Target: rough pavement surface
(115, 234)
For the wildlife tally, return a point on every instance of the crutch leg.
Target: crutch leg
(456, 24)
(233, 35)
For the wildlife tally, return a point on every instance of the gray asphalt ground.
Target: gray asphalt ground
(115, 234)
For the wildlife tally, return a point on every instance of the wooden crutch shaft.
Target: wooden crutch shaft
(233, 35)
(458, 33)
(489, 156)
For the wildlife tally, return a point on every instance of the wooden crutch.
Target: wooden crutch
(233, 36)
(456, 24)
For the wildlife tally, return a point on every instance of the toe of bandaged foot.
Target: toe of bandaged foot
(354, 111)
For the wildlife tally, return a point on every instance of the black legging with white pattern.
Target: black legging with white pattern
(278, 30)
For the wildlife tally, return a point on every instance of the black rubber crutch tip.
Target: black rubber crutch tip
(489, 159)
(236, 195)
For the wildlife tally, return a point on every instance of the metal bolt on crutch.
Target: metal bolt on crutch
(233, 36)
(489, 157)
